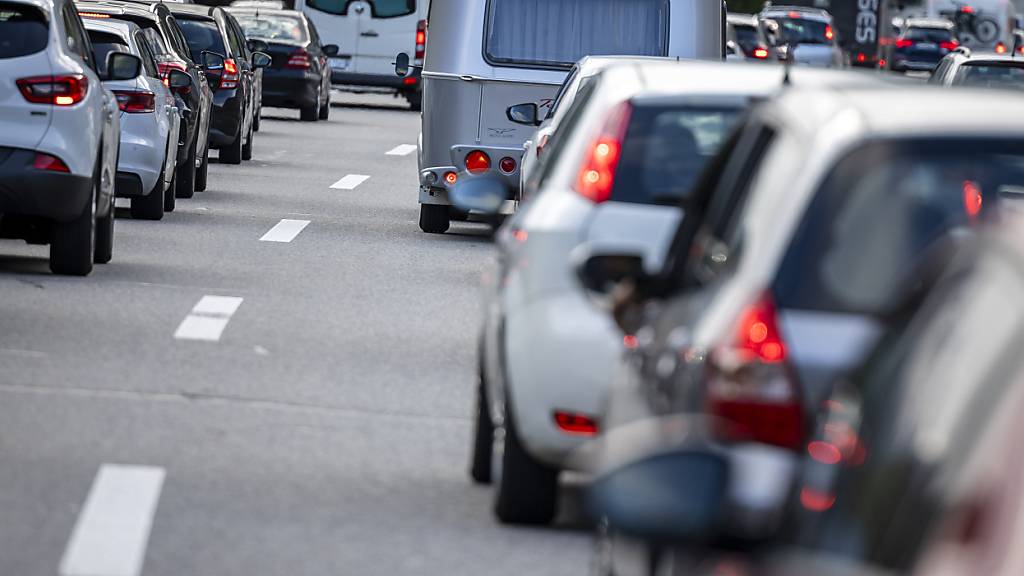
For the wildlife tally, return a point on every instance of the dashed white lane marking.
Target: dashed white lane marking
(402, 150)
(112, 531)
(208, 318)
(285, 231)
(350, 182)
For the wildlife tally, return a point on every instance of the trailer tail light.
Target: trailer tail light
(49, 163)
(750, 388)
(299, 60)
(66, 90)
(421, 42)
(478, 162)
(450, 178)
(508, 165)
(134, 102)
(597, 173)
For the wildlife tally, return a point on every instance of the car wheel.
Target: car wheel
(202, 174)
(325, 109)
(256, 119)
(247, 147)
(483, 435)
(527, 490)
(415, 99)
(232, 154)
(185, 179)
(311, 113)
(72, 245)
(151, 206)
(103, 251)
(434, 218)
(169, 198)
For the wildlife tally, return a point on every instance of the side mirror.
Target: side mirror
(331, 50)
(257, 45)
(484, 194)
(122, 66)
(212, 61)
(178, 80)
(527, 114)
(402, 64)
(260, 60)
(600, 272)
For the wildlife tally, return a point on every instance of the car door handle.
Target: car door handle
(370, 34)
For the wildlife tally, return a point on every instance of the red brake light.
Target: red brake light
(421, 41)
(750, 388)
(829, 33)
(904, 43)
(65, 90)
(575, 424)
(165, 70)
(861, 57)
(135, 102)
(299, 59)
(1000, 48)
(761, 53)
(229, 78)
(478, 162)
(973, 199)
(49, 163)
(597, 173)
(451, 178)
(949, 45)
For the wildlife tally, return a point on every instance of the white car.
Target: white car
(808, 33)
(150, 120)
(615, 174)
(59, 130)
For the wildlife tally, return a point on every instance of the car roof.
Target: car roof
(801, 11)
(974, 57)
(192, 10)
(929, 23)
(122, 28)
(116, 8)
(591, 65)
(248, 10)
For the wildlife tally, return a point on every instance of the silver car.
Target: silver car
(805, 35)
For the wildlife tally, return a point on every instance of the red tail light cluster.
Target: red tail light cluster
(761, 53)
(299, 60)
(949, 45)
(165, 70)
(904, 43)
(49, 163)
(829, 33)
(1000, 48)
(229, 78)
(597, 173)
(575, 424)
(65, 90)
(478, 162)
(508, 165)
(135, 102)
(421, 42)
(750, 387)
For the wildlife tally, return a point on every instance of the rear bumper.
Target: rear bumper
(434, 189)
(355, 79)
(143, 154)
(290, 89)
(25, 191)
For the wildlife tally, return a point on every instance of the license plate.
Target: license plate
(340, 63)
(927, 46)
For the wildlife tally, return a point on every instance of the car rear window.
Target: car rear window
(23, 30)
(560, 32)
(881, 210)
(747, 37)
(273, 27)
(378, 8)
(667, 148)
(804, 31)
(103, 43)
(933, 35)
(991, 74)
(202, 35)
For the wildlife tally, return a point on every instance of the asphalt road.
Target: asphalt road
(314, 422)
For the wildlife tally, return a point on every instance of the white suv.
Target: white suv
(59, 134)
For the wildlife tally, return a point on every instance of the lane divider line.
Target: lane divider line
(208, 319)
(285, 231)
(112, 530)
(350, 182)
(401, 150)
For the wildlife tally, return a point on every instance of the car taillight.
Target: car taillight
(508, 165)
(421, 42)
(760, 53)
(904, 43)
(1000, 48)
(478, 162)
(165, 70)
(750, 389)
(597, 173)
(49, 163)
(575, 424)
(134, 102)
(299, 59)
(229, 78)
(949, 45)
(829, 33)
(57, 90)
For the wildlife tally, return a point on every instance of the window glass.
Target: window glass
(23, 30)
(882, 209)
(554, 149)
(991, 74)
(378, 8)
(236, 40)
(747, 36)
(560, 32)
(77, 40)
(202, 35)
(569, 80)
(933, 35)
(803, 31)
(148, 60)
(103, 44)
(156, 43)
(273, 27)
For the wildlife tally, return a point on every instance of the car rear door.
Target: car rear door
(24, 36)
(383, 28)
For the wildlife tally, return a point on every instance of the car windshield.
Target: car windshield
(103, 43)
(202, 35)
(804, 31)
(881, 210)
(273, 27)
(560, 32)
(666, 148)
(378, 8)
(23, 30)
(991, 75)
(933, 35)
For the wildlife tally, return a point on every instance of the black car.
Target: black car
(299, 76)
(164, 37)
(922, 45)
(235, 103)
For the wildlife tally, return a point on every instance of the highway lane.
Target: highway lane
(301, 388)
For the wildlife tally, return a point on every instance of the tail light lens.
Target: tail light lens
(299, 60)
(56, 90)
(229, 79)
(507, 165)
(478, 162)
(49, 163)
(829, 33)
(165, 70)
(949, 45)
(421, 42)
(1000, 48)
(135, 102)
(761, 53)
(904, 43)
(597, 173)
(750, 388)
(575, 424)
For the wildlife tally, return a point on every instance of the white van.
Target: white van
(485, 56)
(981, 24)
(370, 33)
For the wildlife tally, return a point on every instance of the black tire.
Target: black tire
(527, 491)
(311, 113)
(203, 173)
(169, 199)
(185, 178)
(232, 154)
(150, 207)
(72, 245)
(103, 251)
(483, 436)
(415, 100)
(247, 147)
(256, 119)
(325, 110)
(434, 218)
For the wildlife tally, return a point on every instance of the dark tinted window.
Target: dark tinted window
(273, 27)
(156, 43)
(747, 37)
(103, 44)
(148, 60)
(933, 35)
(560, 32)
(23, 30)
(378, 8)
(202, 35)
(882, 209)
(992, 74)
(666, 149)
(803, 31)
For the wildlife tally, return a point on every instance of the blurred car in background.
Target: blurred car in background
(921, 45)
(299, 75)
(150, 120)
(823, 213)
(745, 35)
(59, 134)
(966, 67)
(806, 35)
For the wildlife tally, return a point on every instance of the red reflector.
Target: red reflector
(478, 162)
(816, 501)
(573, 423)
(596, 177)
(508, 165)
(451, 178)
(135, 102)
(58, 90)
(49, 163)
(824, 452)
(760, 53)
